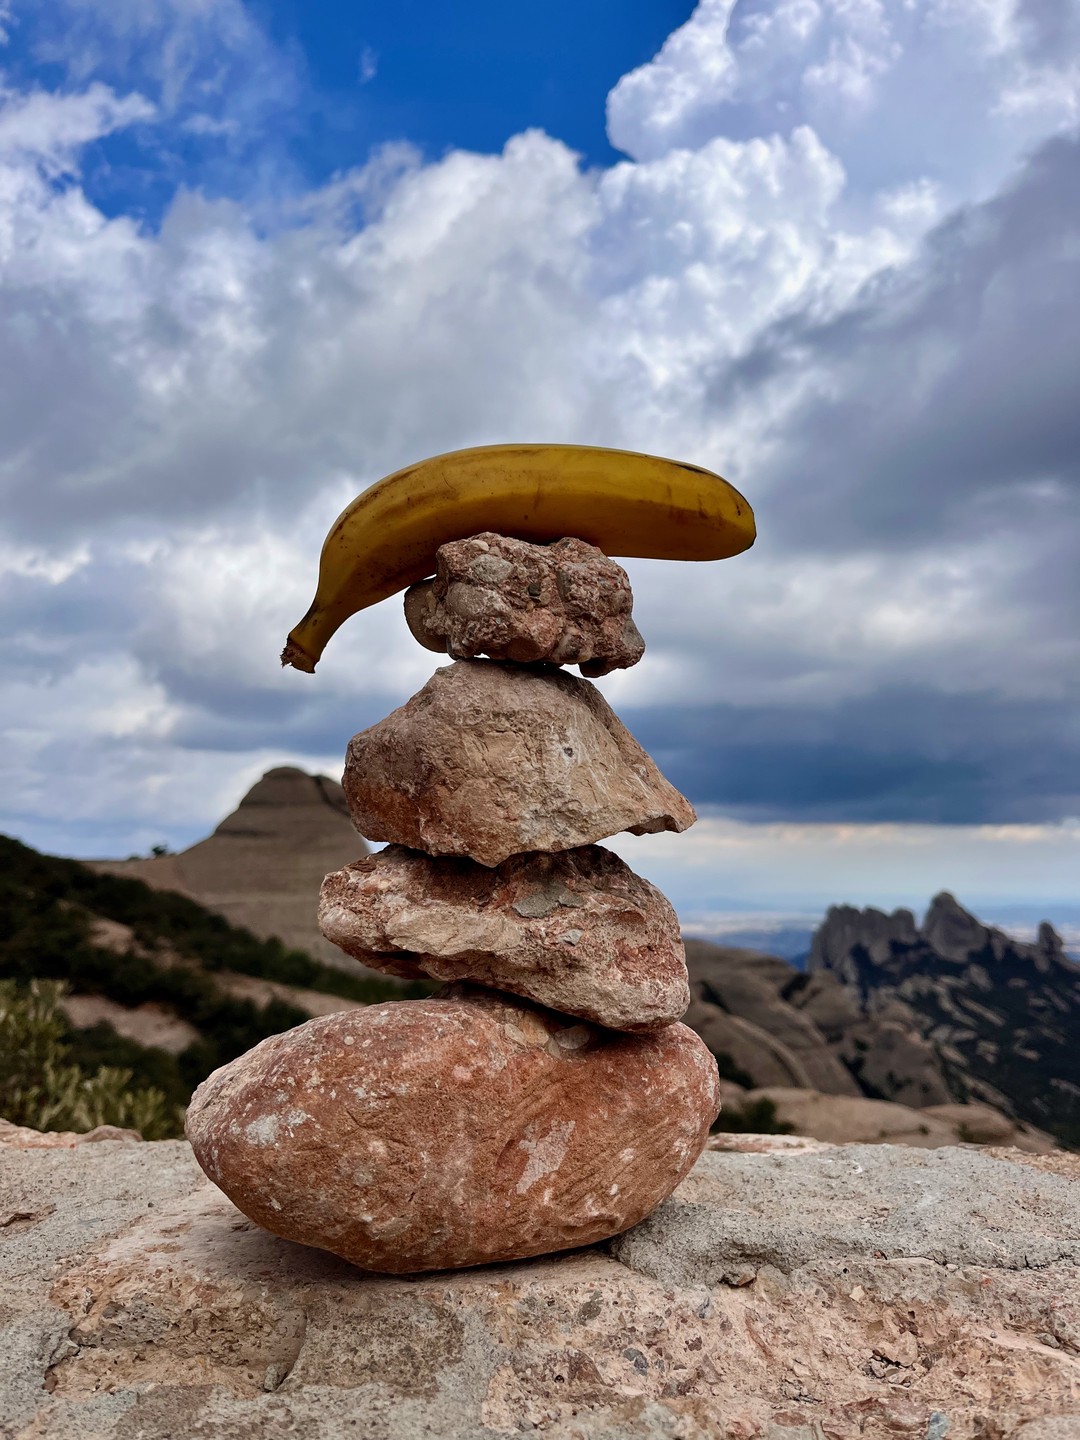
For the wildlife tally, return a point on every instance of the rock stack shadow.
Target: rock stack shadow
(548, 1097)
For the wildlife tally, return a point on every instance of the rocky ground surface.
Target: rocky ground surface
(790, 1290)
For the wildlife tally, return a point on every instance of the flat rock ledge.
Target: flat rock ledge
(789, 1290)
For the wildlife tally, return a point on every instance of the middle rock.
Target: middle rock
(578, 932)
(492, 759)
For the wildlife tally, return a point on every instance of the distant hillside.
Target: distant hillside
(158, 983)
(952, 1012)
(263, 865)
(1002, 1017)
(789, 942)
(769, 1026)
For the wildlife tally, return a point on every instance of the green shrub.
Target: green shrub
(45, 903)
(729, 1070)
(42, 1088)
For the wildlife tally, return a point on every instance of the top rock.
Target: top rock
(565, 603)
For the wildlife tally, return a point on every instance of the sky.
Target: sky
(255, 256)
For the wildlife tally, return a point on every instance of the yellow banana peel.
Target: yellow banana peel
(622, 502)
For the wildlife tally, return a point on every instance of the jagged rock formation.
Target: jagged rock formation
(1000, 1017)
(950, 1012)
(787, 1291)
(263, 865)
(769, 1024)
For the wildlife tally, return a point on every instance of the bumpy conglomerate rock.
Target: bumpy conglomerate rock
(565, 603)
(431, 1134)
(490, 760)
(577, 931)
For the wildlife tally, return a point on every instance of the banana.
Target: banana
(619, 501)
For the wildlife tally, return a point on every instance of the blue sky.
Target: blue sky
(468, 76)
(254, 256)
(318, 87)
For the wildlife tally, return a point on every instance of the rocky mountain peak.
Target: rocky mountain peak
(1001, 1015)
(263, 865)
(953, 932)
(849, 939)
(274, 801)
(1049, 947)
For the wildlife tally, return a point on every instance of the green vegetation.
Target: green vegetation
(42, 1088)
(43, 905)
(756, 1117)
(49, 908)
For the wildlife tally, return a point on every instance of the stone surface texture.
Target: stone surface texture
(491, 760)
(566, 604)
(859, 1202)
(139, 1304)
(577, 931)
(428, 1134)
(22, 1137)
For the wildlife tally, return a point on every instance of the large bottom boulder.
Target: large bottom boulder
(462, 1130)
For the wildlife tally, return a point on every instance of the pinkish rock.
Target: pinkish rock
(491, 760)
(565, 603)
(432, 1134)
(22, 1137)
(577, 931)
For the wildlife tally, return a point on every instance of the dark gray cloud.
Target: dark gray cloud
(222, 717)
(903, 755)
(52, 627)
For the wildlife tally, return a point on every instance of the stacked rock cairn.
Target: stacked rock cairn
(548, 1097)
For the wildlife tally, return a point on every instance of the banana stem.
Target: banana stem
(296, 656)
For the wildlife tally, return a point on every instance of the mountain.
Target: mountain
(262, 867)
(1001, 1017)
(184, 960)
(950, 1012)
(771, 1025)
